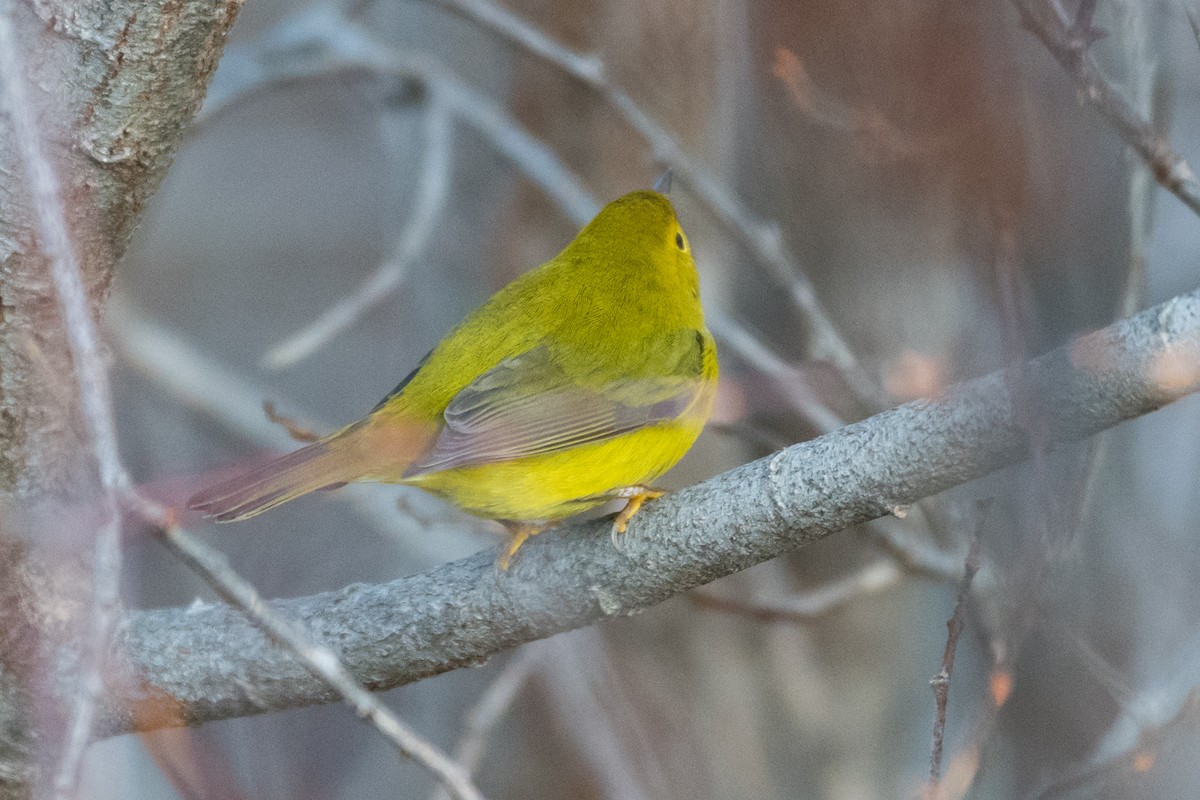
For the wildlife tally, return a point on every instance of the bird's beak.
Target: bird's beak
(663, 184)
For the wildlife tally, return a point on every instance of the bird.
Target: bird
(579, 383)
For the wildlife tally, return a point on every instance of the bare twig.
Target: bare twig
(432, 191)
(763, 238)
(114, 88)
(1114, 684)
(294, 429)
(55, 243)
(1191, 15)
(601, 722)
(321, 661)
(790, 381)
(1145, 81)
(94, 397)
(868, 127)
(941, 681)
(963, 767)
(321, 40)
(1138, 759)
(805, 606)
(1067, 41)
(488, 711)
(914, 553)
(463, 612)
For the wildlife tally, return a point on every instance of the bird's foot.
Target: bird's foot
(635, 497)
(520, 531)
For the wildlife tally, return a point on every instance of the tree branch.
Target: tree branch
(941, 681)
(432, 192)
(1068, 42)
(321, 40)
(808, 605)
(209, 663)
(318, 660)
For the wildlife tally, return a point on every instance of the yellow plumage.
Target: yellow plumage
(580, 381)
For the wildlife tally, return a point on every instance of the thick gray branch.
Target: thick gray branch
(204, 664)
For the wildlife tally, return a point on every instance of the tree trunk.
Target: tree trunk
(112, 87)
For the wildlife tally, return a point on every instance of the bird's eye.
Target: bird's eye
(679, 240)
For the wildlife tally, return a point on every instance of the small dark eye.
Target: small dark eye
(679, 240)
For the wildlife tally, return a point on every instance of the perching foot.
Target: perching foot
(635, 497)
(520, 532)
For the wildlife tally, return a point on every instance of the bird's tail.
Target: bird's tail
(379, 448)
(330, 462)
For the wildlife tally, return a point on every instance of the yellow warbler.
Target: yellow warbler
(578, 383)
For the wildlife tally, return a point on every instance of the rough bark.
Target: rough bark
(115, 86)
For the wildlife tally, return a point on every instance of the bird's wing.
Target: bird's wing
(527, 405)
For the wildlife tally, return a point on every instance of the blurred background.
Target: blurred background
(363, 175)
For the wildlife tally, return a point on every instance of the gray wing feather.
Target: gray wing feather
(526, 406)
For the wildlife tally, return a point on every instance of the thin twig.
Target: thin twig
(1145, 82)
(432, 191)
(312, 44)
(321, 41)
(488, 711)
(915, 553)
(55, 243)
(1191, 15)
(1068, 43)
(868, 127)
(788, 380)
(941, 681)
(95, 400)
(1139, 758)
(1110, 679)
(321, 661)
(298, 432)
(216, 571)
(806, 606)
(763, 238)
(94, 397)
(963, 768)
(601, 723)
